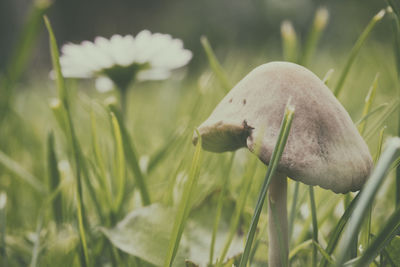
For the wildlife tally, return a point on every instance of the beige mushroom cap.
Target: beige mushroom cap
(324, 147)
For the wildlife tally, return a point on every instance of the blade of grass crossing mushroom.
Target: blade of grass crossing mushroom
(366, 197)
(62, 94)
(355, 50)
(314, 225)
(184, 205)
(389, 230)
(289, 41)
(130, 153)
(368, 103)
(275, 158)
(215, 65)
(3, 223)
(317, 28)
(220, 203)
(119, 164)
(54, 179)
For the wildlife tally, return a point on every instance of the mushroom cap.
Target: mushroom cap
(323, 148)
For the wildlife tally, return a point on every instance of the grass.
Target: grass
(73, 168)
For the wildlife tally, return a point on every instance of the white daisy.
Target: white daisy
(124, 58)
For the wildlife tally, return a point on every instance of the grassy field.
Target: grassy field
(82, 184)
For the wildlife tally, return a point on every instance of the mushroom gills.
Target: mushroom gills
(221, 137)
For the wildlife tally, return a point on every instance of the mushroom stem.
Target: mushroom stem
(277, 221)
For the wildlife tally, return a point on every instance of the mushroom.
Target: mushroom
(324, 147)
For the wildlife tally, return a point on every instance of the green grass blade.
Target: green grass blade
(368, 103)
(36, 244)
(219, 207)
(275, 158)
(130, 153)
(245, 186)
(355, 50)
(293, 209)
(392, 107)
(55, 59)
(320, 20)
(300, 247)
(338, 230)
(62, 94)
(394, 9)
(3, 223)
(161, 154)
(289, 41)
(323, 252)
(22, 51)
(215, 65)
(20, 172)
(184, 205)
(391, 228)
(99, 159)
(119, 162)
(366, 228)
(367, 195)
(54, 179)
(374, 111)
(314, 225)
(328, 76)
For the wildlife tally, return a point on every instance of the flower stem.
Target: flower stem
(123, 94)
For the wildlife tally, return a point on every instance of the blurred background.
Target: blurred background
(251, 25)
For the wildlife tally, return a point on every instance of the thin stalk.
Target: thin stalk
(275, 158)
(219, 207)
(278, 248)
